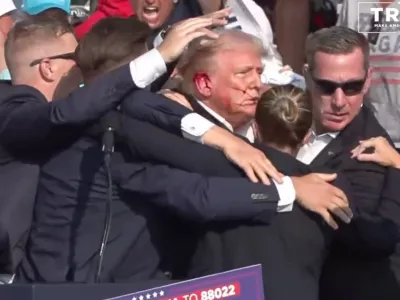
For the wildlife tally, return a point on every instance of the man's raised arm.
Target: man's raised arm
(27, 119)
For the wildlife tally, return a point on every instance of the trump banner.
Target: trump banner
(244, 284)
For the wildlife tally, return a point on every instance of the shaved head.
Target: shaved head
(33, 39)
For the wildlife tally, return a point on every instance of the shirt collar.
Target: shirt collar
(215, 115)
(328, 135)
(245, 131)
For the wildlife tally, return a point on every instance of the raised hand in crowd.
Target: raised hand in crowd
(381, 152)
(309, 189)
(181, 34)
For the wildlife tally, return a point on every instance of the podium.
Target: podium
(73, 291)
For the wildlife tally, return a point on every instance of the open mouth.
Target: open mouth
(150, 14)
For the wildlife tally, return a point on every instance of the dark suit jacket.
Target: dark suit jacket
(30, 130)
(72, 189)
(291, 249)
(381, 278)
(70, 205)
(19, 181)
(372, 234)
(22, 107)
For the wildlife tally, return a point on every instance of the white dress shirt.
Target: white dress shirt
(246, 130)
(194, 126)
(316, 144)
(147, 68)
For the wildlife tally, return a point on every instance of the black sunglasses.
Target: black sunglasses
(69, 56)
(349, 88)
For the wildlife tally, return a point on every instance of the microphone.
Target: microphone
(109, 124)
(108, 141)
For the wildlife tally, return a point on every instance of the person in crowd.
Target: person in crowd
(104, 9)
(37, 267)
(283, 118)
(159, 13)
(6, 23)
(59, 10)
(338, 77)
(245, 15)
(292, 19)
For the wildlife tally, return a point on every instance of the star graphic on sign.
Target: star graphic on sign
(141, 298)
(148, 296)
(134, 298)
(155, 295)
(161, 293)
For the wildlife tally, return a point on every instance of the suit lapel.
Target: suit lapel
(330, 152)
(345, 141)
(201, 111)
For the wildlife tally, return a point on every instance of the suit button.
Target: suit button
(259, 196)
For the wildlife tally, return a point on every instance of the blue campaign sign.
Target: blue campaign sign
(242, 284)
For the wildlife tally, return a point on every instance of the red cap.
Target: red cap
(105, 8)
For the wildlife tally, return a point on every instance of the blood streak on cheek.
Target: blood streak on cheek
(226, 100)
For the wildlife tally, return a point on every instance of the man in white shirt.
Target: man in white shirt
(338, 77)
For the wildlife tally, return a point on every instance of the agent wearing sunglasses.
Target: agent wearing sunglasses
(338, 77)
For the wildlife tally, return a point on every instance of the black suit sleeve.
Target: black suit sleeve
(340, 182)
(160, 111)
(155, 109)
(196, 197)
(390, 201)
(27, 120)
(150, 143)
(372, 232)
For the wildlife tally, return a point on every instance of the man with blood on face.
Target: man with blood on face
(228, 81)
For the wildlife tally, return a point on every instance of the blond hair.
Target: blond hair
(200, 54)
(284, 116)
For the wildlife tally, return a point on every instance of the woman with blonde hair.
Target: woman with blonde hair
(284, 118)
